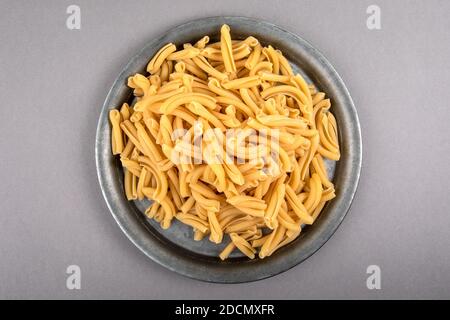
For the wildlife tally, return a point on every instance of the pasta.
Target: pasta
(226, 138)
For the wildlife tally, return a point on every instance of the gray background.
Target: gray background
(54, 81)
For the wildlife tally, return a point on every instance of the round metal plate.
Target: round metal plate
(174, 248)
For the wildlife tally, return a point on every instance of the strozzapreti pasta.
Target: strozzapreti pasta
(225, 138)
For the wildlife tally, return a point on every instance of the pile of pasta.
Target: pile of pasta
(255, 206)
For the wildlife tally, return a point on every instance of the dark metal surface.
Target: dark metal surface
(174, 248)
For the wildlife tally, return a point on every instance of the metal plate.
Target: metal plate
(174, 248)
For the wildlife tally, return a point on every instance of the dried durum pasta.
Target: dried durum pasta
(225, 138)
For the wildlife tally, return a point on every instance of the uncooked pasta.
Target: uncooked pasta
(225, 138)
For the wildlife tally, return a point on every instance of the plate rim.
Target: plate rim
(186, 264)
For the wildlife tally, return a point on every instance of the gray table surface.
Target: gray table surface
(54, 81)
